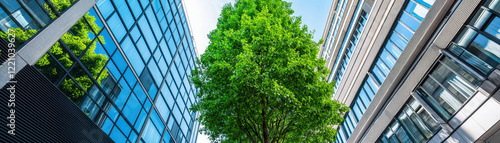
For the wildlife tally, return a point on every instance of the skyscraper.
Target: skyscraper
(120, 68)
(415, 70)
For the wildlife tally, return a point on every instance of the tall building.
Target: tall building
(415, 70)
(96, 71)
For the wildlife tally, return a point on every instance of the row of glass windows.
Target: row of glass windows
(478, 46)
(336, 17)
(96, 76)
(351, 44)
(408, 21)
(23, 14)
(455, 78)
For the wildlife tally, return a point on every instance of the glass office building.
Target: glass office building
(125, 64)
(418, 71)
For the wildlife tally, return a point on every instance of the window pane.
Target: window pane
(486, 49)
(398, 41)
(117, 27)
(132, 54)
(403, 31)
(105, 7)
(417, 10)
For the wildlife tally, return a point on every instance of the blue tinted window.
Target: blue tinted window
(120, 62)
(378, 74)
(132, 55)
(147, 34)
(140, 120)
(395, 51)
(132, 137)
(494, 27)
(151, 135)
(177, 113)
(109, 45)
(144, 3)
(398, 41)
(403, 31)
(426, 3)
(372, 84)
(117, 136)
(129, 77)
(116, 26)
(155, 72)
(381, 65)
(140, 93)
(486, 49)
(364, 97)
(123, 125)
(113, 114)
(361, 106)
(388, 59)
(99, 49)
(184, 127)
(130, 110)
(368, 90)
(105, 7)
(134, 32)
(161, 105)
(106, 127)
(114, 71)
(143, 48)
(409, 21)
(157, 121)
(122, 97)
(417, 10)
(154, 24)
(357, 112)
(136, 8)
(180, 103)
(163, 66)
(168, 97)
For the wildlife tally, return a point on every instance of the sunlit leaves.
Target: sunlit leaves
(261, 68)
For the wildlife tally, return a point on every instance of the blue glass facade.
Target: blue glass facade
(408, 21)
(412, 124)
(128, 70)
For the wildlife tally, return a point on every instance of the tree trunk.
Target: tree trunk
(264, 128)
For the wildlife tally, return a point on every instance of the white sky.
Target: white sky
(203, 15)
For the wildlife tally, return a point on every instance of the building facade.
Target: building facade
(415, 70)
(123, 64)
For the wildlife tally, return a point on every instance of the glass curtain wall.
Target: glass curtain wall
(407, 23)
(124, 63)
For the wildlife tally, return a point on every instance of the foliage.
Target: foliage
(76, 40)
(260, 81)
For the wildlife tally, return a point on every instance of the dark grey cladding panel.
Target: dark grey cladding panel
(4, 46)
(43, 113)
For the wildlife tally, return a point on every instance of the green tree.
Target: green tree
(260, 81)
(76, 40)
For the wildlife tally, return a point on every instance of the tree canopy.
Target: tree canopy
(77, 40)
(259, 79)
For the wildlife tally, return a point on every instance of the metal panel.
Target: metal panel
(43, 113)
